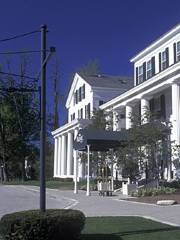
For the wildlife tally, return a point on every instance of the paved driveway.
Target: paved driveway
(16, 198)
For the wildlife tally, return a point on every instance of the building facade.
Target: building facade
(86, 94)
(156, 88)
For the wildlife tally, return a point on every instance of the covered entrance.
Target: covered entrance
(99, 141)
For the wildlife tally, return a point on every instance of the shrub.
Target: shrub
(144, 192)
(54, 224)
(173, 184)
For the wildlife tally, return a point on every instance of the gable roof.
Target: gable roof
(101, 81)
(107, 81)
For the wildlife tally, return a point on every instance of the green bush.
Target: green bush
(144, 192)
(54, 224)
(173, 184)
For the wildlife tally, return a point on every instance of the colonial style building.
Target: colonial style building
(156, 87)
(86, 94)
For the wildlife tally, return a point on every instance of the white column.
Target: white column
(69, 153)
(176, 113)
(144, 111)
(63, 155)
(75, 153)
(128, 116)
(55, 156)
(115, 121)
(59, 157)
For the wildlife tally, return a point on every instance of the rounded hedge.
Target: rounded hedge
(54, 224)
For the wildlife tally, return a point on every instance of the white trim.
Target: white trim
(139, 89)
(70, 126)
(73, 85)
(155, 44)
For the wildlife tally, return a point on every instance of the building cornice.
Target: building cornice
(165, 37)
(77, 123)
(170, 72)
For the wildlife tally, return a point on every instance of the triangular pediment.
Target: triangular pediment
(75, 81)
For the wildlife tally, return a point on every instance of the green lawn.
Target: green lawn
(127, 228)
(49, 184)
(54, 184)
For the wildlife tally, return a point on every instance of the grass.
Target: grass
(53, 184)
(127, 228)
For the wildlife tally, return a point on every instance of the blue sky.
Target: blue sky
(111, 31)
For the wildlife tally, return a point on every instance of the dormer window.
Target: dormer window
(140, 74)
(178, 52)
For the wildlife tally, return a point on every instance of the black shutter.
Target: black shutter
(153, 65)
(151, 105)
(163, 106)
(79, 94)
(136, 76)
(83, 91)
(167, 57)
(76, 94)
(174, 47)
(160, 62)
(144, 71)
(89, 111)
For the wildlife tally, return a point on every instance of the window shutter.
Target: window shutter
(88, 111)
(83, 91)
(151, 105)
(136, 76)
(153, 65)
(80, 94)
(167, 56)
(163, 106)
(160, 62)
(144, 71)
(174, 48)
(76, 93)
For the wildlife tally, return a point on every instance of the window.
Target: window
(163, 60)
(83, 91)
(178, 52)
(72, 116)
(140, 74)
(149, 69)
(81, 113)
(87, 111)
(80, 97)
(122, 116)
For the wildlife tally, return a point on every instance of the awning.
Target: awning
(100, 140)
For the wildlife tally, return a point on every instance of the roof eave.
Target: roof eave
(154, 44)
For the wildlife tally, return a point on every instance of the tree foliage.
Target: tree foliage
(147, 150)
(19, 123)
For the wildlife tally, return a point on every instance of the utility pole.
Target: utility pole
(43, 121)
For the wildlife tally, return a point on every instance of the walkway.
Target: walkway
(17, 198)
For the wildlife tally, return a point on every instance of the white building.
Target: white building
(86, 94)
(156, 87)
